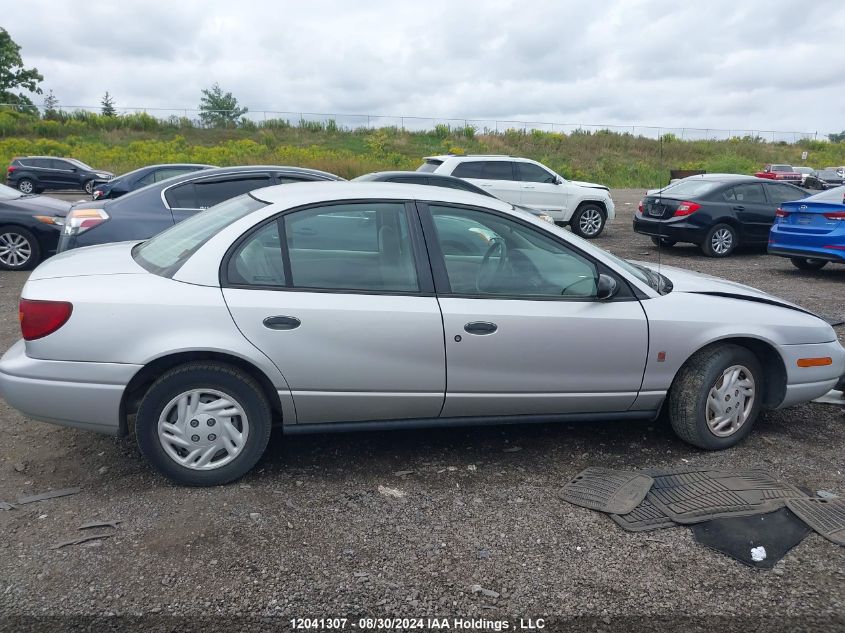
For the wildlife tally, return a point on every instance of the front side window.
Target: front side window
(529, 172)
(167, 251)
(487, 255)
(359, 246)
(784, 193)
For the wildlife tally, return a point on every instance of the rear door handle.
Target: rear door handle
(739, 208)
(480, 327)
(282, 322)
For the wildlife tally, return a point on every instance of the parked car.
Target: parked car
(805, 172)
(438, 180)
(584, 206)
(715, 212)
(825, 179)
(142, 177)
(811, 231)
(34, 174)
(780, 172)
(144, 212)
(335, 307)
(29, 228)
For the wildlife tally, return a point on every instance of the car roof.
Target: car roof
(445, 157)
(374, 176)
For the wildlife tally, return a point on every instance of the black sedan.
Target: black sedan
(144, 212)
(29, 228)
(716, 212)
(142, 177)
(825, 179)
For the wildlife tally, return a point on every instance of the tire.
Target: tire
(808, 263)
(588, 221)
(663, 242)
(89, 187)
(167, 447)
(19, 250)
(690, 406)
(721, 241)
(26, 186)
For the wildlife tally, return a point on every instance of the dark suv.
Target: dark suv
(33, 174)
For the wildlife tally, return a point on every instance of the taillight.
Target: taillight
(836, 215)
(781, 213)
(81, 220)
(687, 208)
(40, 318)
(11, 168)
(640, 208)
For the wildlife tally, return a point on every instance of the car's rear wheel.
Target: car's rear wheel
(19, 250)
(25, 185)
(716, 396)
(663, 242)
(721, 241)
(204, 423)
(89, 187)
(808, 263)
(588, 221)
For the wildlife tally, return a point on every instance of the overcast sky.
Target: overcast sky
(732, 64)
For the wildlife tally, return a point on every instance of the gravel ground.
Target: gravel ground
(308, 534)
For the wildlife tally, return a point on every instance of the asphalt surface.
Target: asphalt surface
(309, 534)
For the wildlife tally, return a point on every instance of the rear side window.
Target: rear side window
(181, 196)
(165, 253)
(468, 169)
(430, 165)
(497, 170)
(212, 192)
(459, 184)
(751, 193)
(258, 261)
(784, 193)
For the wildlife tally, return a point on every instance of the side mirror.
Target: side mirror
(606, 287)
(558, 180)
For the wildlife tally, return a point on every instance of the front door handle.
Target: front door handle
(528, 186)
(480, 327)
(739, 208)
(282, 322)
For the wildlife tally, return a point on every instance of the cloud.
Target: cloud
(720, 64)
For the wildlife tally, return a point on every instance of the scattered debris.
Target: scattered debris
(391, 492)
(758, 553)
(403, 473)
(48, 495)
(5, 505)
(254, 516)
(103, 470)
(512, 449)
(484, 592)
(81, 539)
(472, 468)
(832, 397)
(20, 467)
(98, 524)
(826, 494)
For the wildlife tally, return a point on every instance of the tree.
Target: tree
(14, 76)
(219, 109)
(837, 138)
(108, 105)
(51, 106)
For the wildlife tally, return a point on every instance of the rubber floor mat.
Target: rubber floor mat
(760, 540)
(693, 496)
(825, 516)
(607, 490)
(643, 518)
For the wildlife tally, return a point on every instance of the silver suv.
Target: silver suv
(585, 206)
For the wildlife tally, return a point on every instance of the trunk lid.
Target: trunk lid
(660, 208)
(104, 259)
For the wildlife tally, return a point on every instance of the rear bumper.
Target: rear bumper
(680, 231)
(808, 252)
(79, 394)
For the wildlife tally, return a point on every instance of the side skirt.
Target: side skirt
(425, 423)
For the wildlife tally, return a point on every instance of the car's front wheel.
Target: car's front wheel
(588, 221)
(721, 241)
(89, 187)
(19, 250)
(203, 423)
(716, 396)
(808, 263)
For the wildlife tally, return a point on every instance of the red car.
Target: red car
(780, 172)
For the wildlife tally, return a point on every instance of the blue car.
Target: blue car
(811, 231)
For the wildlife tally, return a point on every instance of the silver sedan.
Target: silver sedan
(372, 306)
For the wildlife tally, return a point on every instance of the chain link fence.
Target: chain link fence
(351, 122)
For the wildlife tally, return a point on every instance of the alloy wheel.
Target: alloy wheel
(722, 241)
(15, 250)
(25, 186)
(590, 222)
(730, 401)
(203, 429)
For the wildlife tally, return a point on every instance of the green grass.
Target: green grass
(126, 142)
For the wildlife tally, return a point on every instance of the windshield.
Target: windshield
(165, 253)
(690, 188)
(79, 163)
(7, 193)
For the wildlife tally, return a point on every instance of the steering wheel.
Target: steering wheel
(486, 272)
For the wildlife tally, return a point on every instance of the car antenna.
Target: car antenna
(659, 244)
